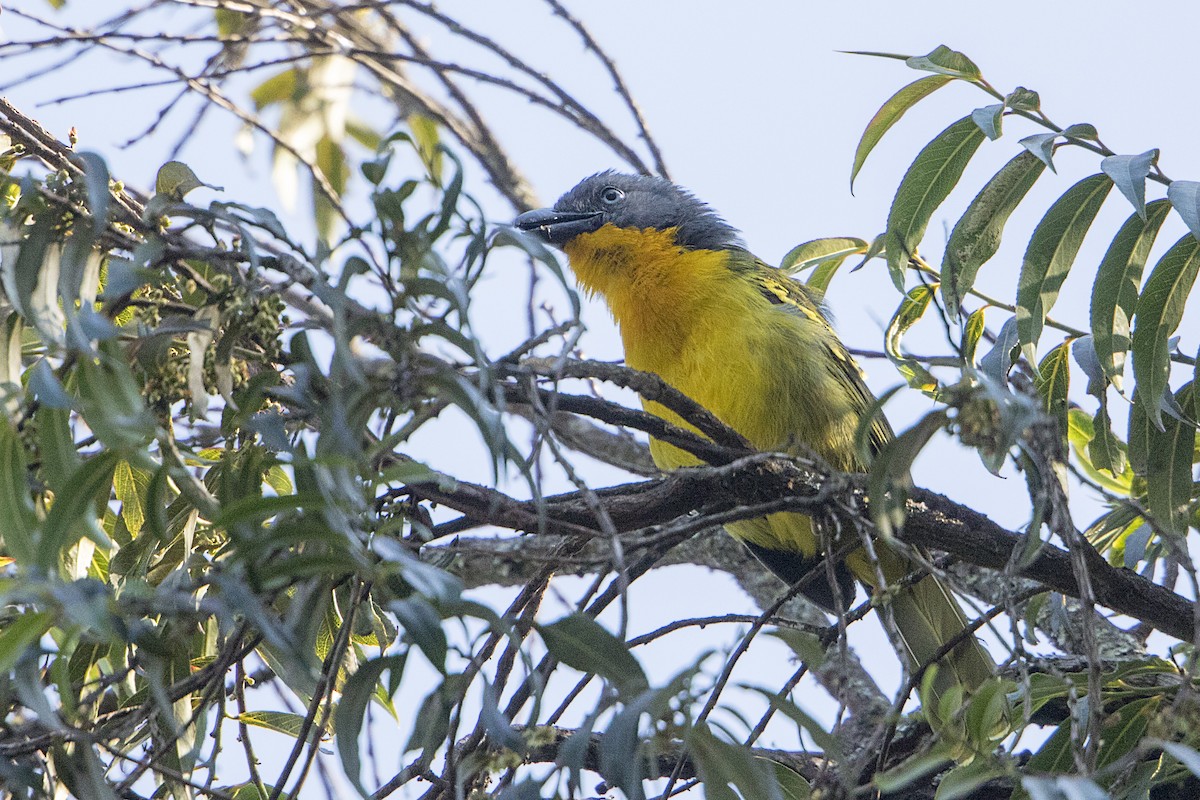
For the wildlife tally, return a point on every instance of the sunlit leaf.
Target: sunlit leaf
(175, 179)
(911, 309)
(1053, 382)
(889, 113)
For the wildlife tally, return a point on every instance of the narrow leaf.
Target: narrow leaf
(726, 767)
(1162, 455)
(976, 236)
(998, 361)
(1159, 312)
(818, 251)
(925, 185)
(1106, 451)
(889, 113)
(972, 333)
(1052, 250)
(887, 487)
(824, 256)
(16, 506)
(911, 309)
(580, 642)
(1115, 292)
(1053, 382)
(348, 718)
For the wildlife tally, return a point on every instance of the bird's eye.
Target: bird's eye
(612, 195)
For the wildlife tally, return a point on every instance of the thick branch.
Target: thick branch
(933, 521)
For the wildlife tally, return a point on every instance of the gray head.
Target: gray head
(631, 201)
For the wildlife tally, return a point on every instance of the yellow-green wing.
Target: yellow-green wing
(782, 290)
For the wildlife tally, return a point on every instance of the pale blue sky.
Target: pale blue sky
(758, 115)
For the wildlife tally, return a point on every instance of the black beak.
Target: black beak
(558, 227)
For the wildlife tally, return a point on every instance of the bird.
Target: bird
(695, 307)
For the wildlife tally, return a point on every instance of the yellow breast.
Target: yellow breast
(709, 331)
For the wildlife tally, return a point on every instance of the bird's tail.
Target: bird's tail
(928, 618)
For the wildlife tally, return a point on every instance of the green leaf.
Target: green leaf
(276, 89)
(729, 770)
(1022, 99)
(1053, 381)
(1123, 731)
(1042, 146)
(976, 236)
(1082, 130)
(17, 521)
(1162, 454)
(990, 120)
(175, 179)
(945, 61)
(1052, 251)
(1105, 450)
(911, 771)
(911, 309)
(963, 780)
(20, 633)
(348, 717)
(972, 333)
(74, 511)
(821, 737)
(96, 178)
(792, 785)
(1185, 198)
(1129, 174)
(1159, 312)
(423, 624)
(278, 721)
(925, 185)
(887, 487)
(1115, 292)
(1185, 755)
(580, 642)
(889, 113)
(1082, 435)
(818, 252)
